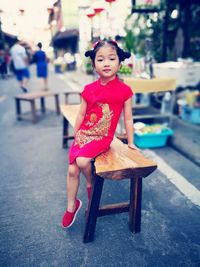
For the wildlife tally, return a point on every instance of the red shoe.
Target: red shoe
(69, 217)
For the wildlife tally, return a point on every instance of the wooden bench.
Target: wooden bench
(119, 162)
(31, 98)
(68, 93)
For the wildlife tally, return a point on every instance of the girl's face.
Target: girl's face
(107, 62)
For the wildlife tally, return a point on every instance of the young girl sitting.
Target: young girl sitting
(100, 109)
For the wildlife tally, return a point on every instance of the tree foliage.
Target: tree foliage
(142, 25)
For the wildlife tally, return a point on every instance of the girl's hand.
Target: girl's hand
(132, 146)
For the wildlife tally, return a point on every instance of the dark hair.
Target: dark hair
(39, 45)
(120, 52)
(15, 40)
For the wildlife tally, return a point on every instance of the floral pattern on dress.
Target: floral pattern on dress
(97, 130)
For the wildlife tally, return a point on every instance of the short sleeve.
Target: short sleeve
(84, 93)
(128, 93)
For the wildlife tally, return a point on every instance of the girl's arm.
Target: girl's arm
(128, 123)
(80, 116)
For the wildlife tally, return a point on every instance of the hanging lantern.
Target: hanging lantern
(98, 10)
(110, 1)
(90, 15)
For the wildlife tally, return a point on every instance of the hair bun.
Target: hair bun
(127, 55)
(123, 54)
(88, 53)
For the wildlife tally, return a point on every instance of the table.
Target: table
(154, 85)
(145, 86)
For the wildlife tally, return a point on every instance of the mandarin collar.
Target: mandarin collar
(112, 82)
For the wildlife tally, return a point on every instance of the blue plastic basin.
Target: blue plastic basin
(152, 139)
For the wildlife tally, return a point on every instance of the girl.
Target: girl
(100, 109)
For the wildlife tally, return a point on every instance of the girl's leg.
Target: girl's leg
(73, 204)
(73, 181)
(85, 165)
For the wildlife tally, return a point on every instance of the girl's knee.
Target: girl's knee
(83, 163)
(73, 170)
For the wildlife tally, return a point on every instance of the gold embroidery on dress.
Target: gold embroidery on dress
(92, 119)
(98, 130)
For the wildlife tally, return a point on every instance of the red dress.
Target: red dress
(104, 106)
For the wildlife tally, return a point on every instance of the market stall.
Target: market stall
(144, 110)
(147, 86)
(186, 73)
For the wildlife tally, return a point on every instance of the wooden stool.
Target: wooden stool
(31, 98)
(115, 164)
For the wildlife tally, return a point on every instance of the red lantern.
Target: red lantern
(98, 10)
(90, 15)
(110, 1)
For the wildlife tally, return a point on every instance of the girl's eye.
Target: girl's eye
(112, 58)
(99, 60)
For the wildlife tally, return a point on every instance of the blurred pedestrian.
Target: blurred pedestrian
(41, 61)
(20, 64)
(100, 109)
(3, 64)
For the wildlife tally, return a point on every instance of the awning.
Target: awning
(66, 34)
(65, 39)
(9, 38)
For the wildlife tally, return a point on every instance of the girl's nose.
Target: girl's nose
(106, 62)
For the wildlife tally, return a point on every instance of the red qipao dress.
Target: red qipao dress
(104, 106)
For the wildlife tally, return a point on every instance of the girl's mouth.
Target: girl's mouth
(106, 70)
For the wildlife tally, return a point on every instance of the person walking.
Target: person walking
(102, 103)
(3, 64)
(41, 61)
(20, 64)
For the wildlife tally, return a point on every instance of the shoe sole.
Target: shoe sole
(65, 227)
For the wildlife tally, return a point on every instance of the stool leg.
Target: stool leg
(33, 110)
(42, 102)
(135, 204)
(93, 209)
(66, 98)
(18, 108)
(65, 132)
(57, 104)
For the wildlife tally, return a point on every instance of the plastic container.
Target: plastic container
(195, 116)
(191, 114)
(151, 140)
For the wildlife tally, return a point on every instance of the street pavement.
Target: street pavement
(33, 197)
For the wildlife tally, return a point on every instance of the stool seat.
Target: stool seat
(121, 162)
